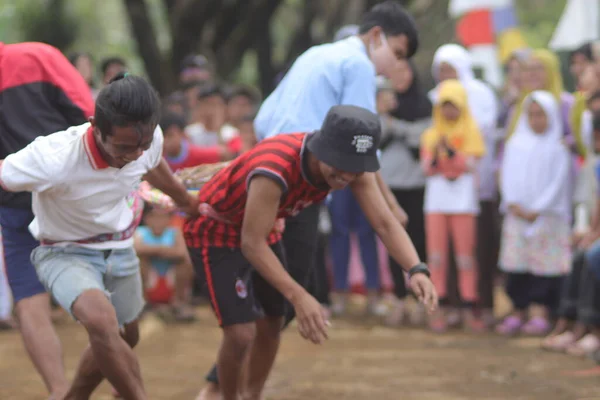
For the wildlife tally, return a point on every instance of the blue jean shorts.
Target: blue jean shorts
(68, 271)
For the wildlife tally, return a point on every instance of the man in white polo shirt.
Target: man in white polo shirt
(83, 182)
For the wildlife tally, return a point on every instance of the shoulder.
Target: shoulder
(57, 149)
(358, 64)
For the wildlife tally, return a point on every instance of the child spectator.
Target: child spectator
(165, 263)
(449, 153)
(180, 153)
(208, 117)
(111, 67)
(535, 250)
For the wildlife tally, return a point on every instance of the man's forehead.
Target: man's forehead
(129, 135)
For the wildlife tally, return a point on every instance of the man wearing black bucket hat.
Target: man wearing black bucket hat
(277, 179)
(324, 76)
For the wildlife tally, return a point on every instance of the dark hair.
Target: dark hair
(170, 119)
(209, 90)
(107, 62)
(75, 56)
(394, 20)
(596, 122)
(585, 50)
(243, 91)
(194, 61)
(127, 100)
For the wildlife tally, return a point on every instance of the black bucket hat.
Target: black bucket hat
(348, 139)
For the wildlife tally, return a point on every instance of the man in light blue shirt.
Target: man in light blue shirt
(339, 73)
(336, 73)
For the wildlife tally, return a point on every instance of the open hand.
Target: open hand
(423, 288)
(312, 323)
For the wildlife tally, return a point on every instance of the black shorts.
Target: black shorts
(237, 292)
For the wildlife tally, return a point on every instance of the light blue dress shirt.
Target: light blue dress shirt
(322, 77)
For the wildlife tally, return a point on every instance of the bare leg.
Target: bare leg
(237, 341)
(113, 355)
(184, 275)
(262, 356)
(210, 392)
(88, 375)
(42, 342)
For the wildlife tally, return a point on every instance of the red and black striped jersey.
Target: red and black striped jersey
(223, 198)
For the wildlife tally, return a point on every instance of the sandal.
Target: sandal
(587, 345)
(438, 322)
(559, 342)
(536, 326)
(396, 315)
(183, 313)
(510, 326)
(472, 323)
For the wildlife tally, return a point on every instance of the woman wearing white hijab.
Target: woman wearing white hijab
(452, 61)
(535, 251)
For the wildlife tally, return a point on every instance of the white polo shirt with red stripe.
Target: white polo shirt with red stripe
(77, 197)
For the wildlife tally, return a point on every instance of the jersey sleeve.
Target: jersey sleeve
(272, 166)
(28, 170)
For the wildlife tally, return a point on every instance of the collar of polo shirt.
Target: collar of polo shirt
(92, 151)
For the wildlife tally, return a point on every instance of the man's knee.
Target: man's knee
(36, 307)
(269, 327)
(95, 312)
(240, 336)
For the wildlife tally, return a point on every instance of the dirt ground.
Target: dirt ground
(360, 361)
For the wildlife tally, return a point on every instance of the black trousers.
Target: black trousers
(411, 200)
(580, 295)
(300, 240)
(526, 289)
(488, 248)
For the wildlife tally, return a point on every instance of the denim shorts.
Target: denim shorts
(592, 258)
(68, 271)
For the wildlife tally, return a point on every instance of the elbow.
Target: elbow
(249, 246)
(382, 225)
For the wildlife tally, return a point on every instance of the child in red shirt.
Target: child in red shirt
(180, 153)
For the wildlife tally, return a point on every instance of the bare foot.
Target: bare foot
(210, 392)
(58, 394)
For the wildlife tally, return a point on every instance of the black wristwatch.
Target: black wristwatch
(420, 268)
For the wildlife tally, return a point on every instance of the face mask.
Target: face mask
(382, 57)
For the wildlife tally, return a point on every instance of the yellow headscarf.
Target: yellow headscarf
(463, 134)
(554, 83)
(575, 117)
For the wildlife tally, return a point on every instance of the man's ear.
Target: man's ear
(92, 121)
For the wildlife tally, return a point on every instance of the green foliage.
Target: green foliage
(52, 23)
(538, 19)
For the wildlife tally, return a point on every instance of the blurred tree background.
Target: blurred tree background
(248, 41)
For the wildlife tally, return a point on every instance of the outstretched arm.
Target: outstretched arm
(392, 234)
(162, 178)
(262, 205)
(391, 201)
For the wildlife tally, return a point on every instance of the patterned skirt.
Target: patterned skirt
(541, 248)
